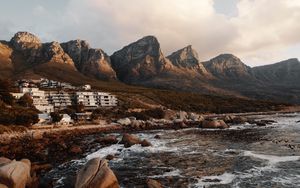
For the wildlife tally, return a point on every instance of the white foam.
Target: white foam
(173, 173)
(225, 178)
(272, 159)
(103, 152)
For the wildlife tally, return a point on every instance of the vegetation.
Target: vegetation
(56, 117)
(20, 112)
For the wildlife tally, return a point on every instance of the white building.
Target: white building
(66, 120)
(105, 99)
(39, 100)
(59, 99)
(95, 99)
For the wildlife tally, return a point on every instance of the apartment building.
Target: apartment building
(59, 99)
(94, 100)
(38, 96)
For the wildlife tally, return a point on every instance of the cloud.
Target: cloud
(260, 32)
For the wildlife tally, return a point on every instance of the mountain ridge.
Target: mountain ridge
(143, 63)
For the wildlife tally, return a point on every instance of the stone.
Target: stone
(212, 124)
(125, 121)
(75, 149)
(96, 174)
(153, 184)
(15, 174)
(110, 157)
(129, 140)
(145, 143)
(110, 139)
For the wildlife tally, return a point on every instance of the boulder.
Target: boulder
(145, 143)
(15, 174)
(75, 149)
(213, 124)
(153, 184)
(125, 121)
(129, 140)
(111, 139)
(96, 174)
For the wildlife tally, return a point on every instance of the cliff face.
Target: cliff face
(91, 62)
(140, 61)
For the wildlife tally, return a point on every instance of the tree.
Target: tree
(26, 101)
(5, 96)
(56, 117)
(29, 117)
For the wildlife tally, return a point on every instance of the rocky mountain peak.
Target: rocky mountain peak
(55, 54)
(25, 40)
(186, 57)
(90, 61)
(140, 60)
(228, 66)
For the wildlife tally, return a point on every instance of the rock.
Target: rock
(153, 184)
(89, 61)
(125, 121)
(75, 149)
(157, 136)
(182, 115)
(136, 124)
(15, 174)
(129, 140)
(37, 135)
(298, 121)
(266, 121)
(110, 157)
(261, 124)
(145, 143)
(212, 124)
(111, 139)
(96, 174)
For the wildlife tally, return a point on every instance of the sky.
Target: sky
(257, 31)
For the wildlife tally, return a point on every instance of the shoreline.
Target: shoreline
(87, 129)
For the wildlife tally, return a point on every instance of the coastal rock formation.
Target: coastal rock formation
(153, 184)
(15, 174)
(96, 174)
(140, 61)
(213, 124)
(91, 62)
(129, 140)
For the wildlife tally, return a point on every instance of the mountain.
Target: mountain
(282, 73)
(89, 61)
(143, 63)
(140, 61)
(228, 67)
(187, 59)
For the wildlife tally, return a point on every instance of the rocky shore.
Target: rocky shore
(46, 149)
